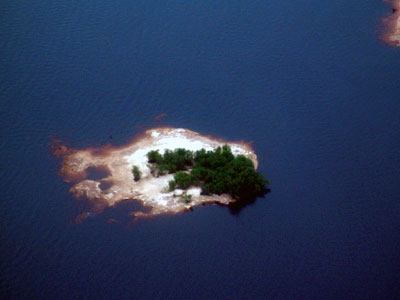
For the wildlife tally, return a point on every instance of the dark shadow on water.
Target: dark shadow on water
(236, 207)
(131, 205)
(122, 210)
(97, 173)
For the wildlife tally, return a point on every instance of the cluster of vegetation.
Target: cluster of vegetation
(186, 198)
(170, 161)
(216, 172)
(136, 173)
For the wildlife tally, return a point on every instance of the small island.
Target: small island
(391, 24)
(168, 170)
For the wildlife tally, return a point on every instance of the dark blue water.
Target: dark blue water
(307, 81)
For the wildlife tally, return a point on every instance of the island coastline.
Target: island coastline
(116, 163)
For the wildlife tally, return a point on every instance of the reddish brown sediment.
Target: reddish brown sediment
(391, 25)
(112, 220)
(149, 190)
(160, 117)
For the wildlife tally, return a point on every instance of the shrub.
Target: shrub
(182, 180)
(186, 198)
(154, 157)
(136, 173)
(171, 185)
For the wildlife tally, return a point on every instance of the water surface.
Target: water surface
(308, 82)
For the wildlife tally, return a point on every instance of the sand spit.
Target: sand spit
(114, 181)
(391, 23)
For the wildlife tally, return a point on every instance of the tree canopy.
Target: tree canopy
(171, 161)
(136, 173)
(216, 172)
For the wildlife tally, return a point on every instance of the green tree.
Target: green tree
(154, 157)
(182, 180)
(171, 185)
(136, 173)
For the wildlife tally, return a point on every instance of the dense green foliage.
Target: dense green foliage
(217, 172)
(171, 185)
(182, 180)
(136, 173)
(221, 172)
(170, 161)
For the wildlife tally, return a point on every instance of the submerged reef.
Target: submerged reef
(110, 175)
